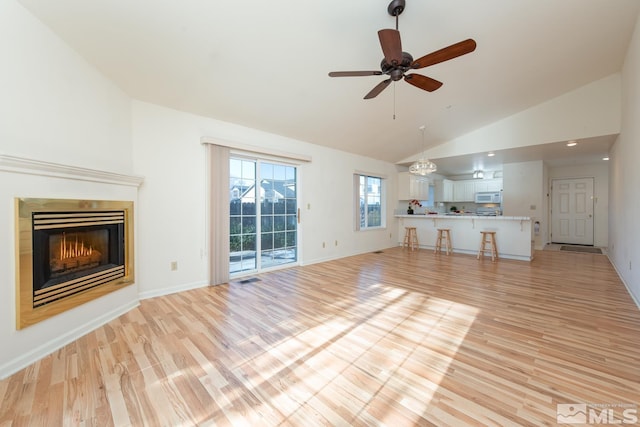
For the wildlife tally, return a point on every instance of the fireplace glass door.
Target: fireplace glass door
(75, 251)
(263, 215)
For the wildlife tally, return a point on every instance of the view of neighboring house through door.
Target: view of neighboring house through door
(572, 211)
(263, 215)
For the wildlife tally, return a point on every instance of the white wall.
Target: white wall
(172, 200)
(55, 108)
(589, 111)
(522, 193)
(53, 105)
(624, 177)
(600, 174)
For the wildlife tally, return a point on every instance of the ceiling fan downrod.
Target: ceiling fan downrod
(395, 8)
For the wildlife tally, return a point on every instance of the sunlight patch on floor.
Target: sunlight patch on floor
(361, 362)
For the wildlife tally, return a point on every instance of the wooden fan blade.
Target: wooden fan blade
(391, 46)
(354, 73)
(379, 88)
(423, 82)
(445, 54)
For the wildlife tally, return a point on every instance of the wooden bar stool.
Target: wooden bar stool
(443, 234)
(488, 238)
(410, 238)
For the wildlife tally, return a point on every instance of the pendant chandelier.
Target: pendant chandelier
(423, 166)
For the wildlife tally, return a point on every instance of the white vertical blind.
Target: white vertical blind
(219, 214)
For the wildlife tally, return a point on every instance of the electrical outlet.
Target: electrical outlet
(336, 243)
(323, 245)
(174, 265)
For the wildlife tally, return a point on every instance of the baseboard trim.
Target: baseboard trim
(173, 289)
(633, 297)
(49, 347)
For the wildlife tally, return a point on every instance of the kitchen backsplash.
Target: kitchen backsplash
(441, 207)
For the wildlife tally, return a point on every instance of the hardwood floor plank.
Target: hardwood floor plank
(396, 338)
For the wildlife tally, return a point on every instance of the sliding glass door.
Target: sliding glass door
(263, 215)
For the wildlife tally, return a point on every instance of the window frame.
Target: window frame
(361, 204)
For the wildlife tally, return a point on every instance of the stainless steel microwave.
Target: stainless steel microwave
(488, 197)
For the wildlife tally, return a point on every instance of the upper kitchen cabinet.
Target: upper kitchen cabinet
(488, 185)
(464, 190)
(443, 190)
(412, 187)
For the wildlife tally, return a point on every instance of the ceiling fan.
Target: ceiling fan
(397, 63)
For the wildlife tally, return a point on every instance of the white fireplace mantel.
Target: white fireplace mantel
(37, 167)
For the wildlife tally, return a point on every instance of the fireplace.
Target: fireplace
(70, 252)
(75, 251)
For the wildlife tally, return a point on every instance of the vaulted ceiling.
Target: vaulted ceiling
(264, 64)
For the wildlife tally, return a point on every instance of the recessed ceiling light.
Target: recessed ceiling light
(572, 144)
(491, 154)
(605, 158)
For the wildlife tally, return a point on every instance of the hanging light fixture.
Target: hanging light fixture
(423, 166)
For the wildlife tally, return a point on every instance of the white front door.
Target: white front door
(572, 211)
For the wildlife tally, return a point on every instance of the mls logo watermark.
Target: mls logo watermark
(597, 413)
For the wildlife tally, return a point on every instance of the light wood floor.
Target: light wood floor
(395, 338)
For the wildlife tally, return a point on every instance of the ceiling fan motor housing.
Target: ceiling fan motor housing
(396, 72)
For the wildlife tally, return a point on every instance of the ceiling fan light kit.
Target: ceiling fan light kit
(396, 64)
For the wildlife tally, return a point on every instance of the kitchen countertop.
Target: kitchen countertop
(514, 233)
(466, 216)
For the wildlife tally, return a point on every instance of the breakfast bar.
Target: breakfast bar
(513, 233)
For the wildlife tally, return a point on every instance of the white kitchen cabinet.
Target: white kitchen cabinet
(494, 184)
(482, 185)
(412, 187)
(464, 191)
(443, 190)
(488, 185)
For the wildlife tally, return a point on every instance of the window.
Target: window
(369, 202)
(431, 202)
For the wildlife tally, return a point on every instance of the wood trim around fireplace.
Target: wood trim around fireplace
(26, 313)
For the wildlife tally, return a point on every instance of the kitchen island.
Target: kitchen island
(513, 233)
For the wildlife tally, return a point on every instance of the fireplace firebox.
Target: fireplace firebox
(69, 252)
(75, 251)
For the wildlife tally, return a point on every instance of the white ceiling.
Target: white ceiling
(264, 64)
